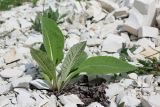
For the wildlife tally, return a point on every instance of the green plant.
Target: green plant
(7, 4)
(36, 23)
(34, 2)
(121, 104)
(49, 13)
(75, 62)
(124, 55)
(150, 66)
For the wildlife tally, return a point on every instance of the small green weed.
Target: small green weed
(49, 13)
(7, 4)
(124, 55)
(150, 66)
(34, 2)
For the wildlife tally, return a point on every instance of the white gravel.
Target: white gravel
(114, 22)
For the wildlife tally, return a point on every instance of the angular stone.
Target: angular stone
(93, 42)
(11, 56)
(113, 104)
(134, 22)
(95, 10)
(34, 38)
(108, 5)
(145, 81)
(7, 14)
(110, 28)
(11, 73)
(40, 97)
(138, 50)
(128, 3)
(24, 23)
(151, 53)
(2, 81)
(72, 32)
(24, 98)
(23, 51)
(113, 43)
(17, 33)
(133, 76)
(145, 43)
(158, 20)
(149, 90)
(158, 6)
(156, 40)
(70, 99)
(114, 89)
(79, 7)
(157, 80)
(95, 104)
(2, 64)
(126, 92)
(13, 101)
(147, 31)
(109, 19)
(41, 84)
(133, 38)
(4, 101)
(5, 88)
(144, 6)
(142, 14)
(130, 101)
(9, 25)
(148, 9)
(127, 82)
(151, 101)
(85, 36)
(70, 105)
(126, 37)
(121, 12)
(71, 41)
(52, 102)
(22, 81)
(134, 58)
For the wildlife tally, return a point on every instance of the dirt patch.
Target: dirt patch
(89, 91)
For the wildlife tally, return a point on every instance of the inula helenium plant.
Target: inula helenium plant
(75, 61)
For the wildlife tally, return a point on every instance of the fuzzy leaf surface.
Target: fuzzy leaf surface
(105, 65)
(45, 63)
(71, 59)
(81, 59)
(53, 40)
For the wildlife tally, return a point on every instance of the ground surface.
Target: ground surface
(106, 25)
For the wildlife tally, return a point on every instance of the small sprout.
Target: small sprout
(36, 23)
(149, 66)
(49, 13)
(121, 104)
(124, 55)
(34, 2)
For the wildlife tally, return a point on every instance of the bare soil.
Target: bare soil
(89, 91)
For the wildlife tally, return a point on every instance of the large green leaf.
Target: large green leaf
(45, 63)
(71, 59)
(53, 40)
(105, 65)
